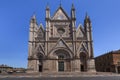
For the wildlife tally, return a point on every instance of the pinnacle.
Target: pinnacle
(87, 17)
(47, 7)
(34, 16)
(73, 6)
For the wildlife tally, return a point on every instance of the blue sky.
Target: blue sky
(15, 17)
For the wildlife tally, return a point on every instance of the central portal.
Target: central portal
(63, 60)
(61, 66)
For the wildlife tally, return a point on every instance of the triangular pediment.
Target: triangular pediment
(39, 48)
(82, 48)
(60, 14)
(38, 51)
(80, 31)
(40, 32)
(62, 44)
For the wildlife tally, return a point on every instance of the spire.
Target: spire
(73, 8)
(73, 12)
(86, 15)
(47, 11)
(60, 3)
(33, 19)
(34, 16)
(47, 7)
(87, 18)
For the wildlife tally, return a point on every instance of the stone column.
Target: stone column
(91, 65)
(32, 66)
(35, 66)
(46, 66)
(77, 65)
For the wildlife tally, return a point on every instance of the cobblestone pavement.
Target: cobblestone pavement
(67, 78)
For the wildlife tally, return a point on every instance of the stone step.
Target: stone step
(73, 73)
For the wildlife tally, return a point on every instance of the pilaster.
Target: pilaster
(91, 65)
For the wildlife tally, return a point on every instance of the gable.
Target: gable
(39, 48)
(60, 15)
(40, 32)
(61, 44)
(80, 32)
(82, 48)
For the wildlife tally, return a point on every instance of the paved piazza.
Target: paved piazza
(67, 78)
(61, 76)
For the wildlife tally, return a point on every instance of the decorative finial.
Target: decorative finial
(73, 6)
(87, 18)
(34, 16)
(60, 3)
(47, 7)
(87, 15)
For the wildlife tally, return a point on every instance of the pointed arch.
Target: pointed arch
(84, 54)
(82, 48)
(61, 44)
(39, 51)
(65, 52)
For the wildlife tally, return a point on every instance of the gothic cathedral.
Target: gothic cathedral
(60, 47)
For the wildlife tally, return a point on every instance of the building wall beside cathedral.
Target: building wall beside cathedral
(108, 62)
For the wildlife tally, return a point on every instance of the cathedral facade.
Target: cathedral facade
(60, 46)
